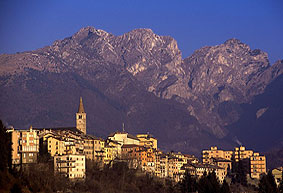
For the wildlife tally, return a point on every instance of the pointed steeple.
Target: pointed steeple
(81, 106)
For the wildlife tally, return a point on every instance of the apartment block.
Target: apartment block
(214, 152)
(147, 140)
(124, 138)
(240, 153)
(25, 146)
(72, 166)
(258, 165)
(199, 169)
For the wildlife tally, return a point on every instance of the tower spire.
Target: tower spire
(81, 106)
(81, 117)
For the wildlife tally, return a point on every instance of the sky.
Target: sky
(31, 24)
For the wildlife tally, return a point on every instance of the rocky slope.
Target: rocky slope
(139, 78)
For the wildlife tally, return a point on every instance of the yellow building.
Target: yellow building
(16, 154)
(150, 160)
(214, 152)
(258, 165)
(199, 169)
(240, 153)
(147, 140)
(92, 145)
(222, 163)
(25, 146)
(157, 169)
(73, 166)
(163, 166)
(55, 145)
(277, 173)
(109, 154)
(173, 171)
(191, 159)
(253, 163)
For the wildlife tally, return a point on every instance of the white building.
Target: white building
(73, 166)
(124, 138)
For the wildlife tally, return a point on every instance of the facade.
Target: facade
(124, 138)
(56, 146)
(240, 153)
(72, 166)
(191, 159)
(81, 118)
(253, 163)
(147, 140)
(173, 170)
(199, 169)
(222, 163)
(277, 173)
(60, 141)
(110, 154)
(214, 152)
(25, 146)
(258, 165)
(163, 166)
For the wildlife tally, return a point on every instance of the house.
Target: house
(25, 146)
(72, 166)
(147, 140)
(124, 138)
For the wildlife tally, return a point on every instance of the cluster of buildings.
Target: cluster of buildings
(252, 162)
(71, 147)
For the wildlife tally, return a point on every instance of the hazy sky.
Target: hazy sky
(31, 24)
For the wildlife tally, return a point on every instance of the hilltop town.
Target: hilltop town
(71, 147)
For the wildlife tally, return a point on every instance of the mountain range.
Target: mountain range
(223, 95)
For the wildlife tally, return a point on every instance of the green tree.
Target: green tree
(267, 184)
(225, 187)
(188, 184)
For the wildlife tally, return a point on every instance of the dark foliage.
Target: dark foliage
(240, 171)
(188, 184)
(16, 188)
(208, 184)
(267, 184)
(5, 148)
(280, 188)
(225, 187)
(119, 179)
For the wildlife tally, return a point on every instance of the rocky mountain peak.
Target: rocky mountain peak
(88, 31)
(232, 41)
(206, 91)
(140, 31)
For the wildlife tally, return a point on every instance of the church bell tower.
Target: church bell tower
(81, 117)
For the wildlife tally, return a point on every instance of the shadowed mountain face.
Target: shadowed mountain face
(139, 78)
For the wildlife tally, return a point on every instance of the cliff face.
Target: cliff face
(219, 78)
(138, 78)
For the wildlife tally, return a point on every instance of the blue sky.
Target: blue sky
(27, 25)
